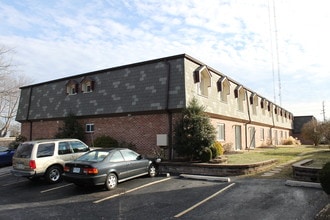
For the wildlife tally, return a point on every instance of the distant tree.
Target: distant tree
(194, 132)
(326, 131)
(313, 131)
(10, 81)
(71, 128)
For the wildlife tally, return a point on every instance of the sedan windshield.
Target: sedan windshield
(94, 156)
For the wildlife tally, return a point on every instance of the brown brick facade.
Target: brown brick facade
(140, 130)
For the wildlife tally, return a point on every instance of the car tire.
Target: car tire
(111, 181)
(152, 170)
(53, 174)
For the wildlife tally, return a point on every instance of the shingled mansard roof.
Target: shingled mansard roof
(154, 85)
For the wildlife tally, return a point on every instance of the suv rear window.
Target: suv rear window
(24, 150)
(77, 146)
(46, 150)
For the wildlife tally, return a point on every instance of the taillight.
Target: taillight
(32, 164)
(91, 170)
(66, 169)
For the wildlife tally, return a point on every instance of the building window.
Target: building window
(72, 87)
(87, 85)
(89, 128)
(223, 86)
(221, 132)
(254, 103)
(240, 97)
(262, 134)
(203, 79)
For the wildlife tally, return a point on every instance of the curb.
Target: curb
(303, 184)
(209, 178)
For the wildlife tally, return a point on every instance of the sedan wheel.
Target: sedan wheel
(53, 174)
(111, 181)
(152, 170)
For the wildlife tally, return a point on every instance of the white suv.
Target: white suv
(46, 158)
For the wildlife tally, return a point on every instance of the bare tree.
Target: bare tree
(313, 131)
(10, 81)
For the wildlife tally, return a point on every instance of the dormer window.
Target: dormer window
(223, 86)
(239, 95)
(202, 77)
(87, 85)
(72, 87)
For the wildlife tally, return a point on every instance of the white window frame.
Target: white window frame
(221, 132)
(89, 128)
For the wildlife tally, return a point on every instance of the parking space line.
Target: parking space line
(7, 174)
(12, 183)
(131, 190)
(203, 201)
(55, 188)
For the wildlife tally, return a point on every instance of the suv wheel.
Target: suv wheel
(54, 174)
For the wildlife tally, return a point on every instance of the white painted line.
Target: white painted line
(7, 174)
(203, 201)
(131, 190)
(55, 188)
(8, 184)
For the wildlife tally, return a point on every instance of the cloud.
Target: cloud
(60, 38)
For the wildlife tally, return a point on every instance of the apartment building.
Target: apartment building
(140, 103)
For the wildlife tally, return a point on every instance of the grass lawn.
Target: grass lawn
(286, 155)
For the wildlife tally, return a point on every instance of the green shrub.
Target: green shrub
(324, 176)
(105, 141)
(216, 149)
(206, 154)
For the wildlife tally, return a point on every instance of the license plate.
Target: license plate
(76, 170)
(20, 166)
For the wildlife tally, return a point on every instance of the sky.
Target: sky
(277, 48)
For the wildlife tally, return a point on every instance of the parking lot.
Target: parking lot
(159, 198)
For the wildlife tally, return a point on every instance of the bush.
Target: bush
(206, 154)
(324, 176)
(228, 147)
(19, 139)
(291, 141)
(216, 149)
(105, 141)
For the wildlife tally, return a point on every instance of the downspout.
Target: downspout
(28, 113)
(169, 113)
(271, 129)
(246, 124)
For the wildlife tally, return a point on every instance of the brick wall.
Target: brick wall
(140, 130)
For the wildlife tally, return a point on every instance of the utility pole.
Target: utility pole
(323, 111)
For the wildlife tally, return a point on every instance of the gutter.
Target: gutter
(167, 109)
(246, 124)
(28, 113)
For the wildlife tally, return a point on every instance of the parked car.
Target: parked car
(46, 158)
(108, 167)
(6, 155)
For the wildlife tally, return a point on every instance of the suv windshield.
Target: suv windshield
(24, 150)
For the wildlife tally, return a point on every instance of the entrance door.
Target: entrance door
(252, 137)
(238, 137)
